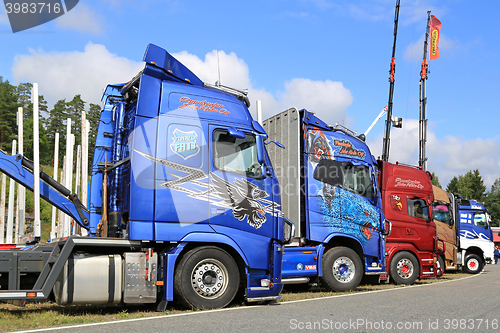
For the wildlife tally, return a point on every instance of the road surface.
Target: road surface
(471, 304)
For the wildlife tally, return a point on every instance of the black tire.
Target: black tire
(442, 264)
(342, 269)
(404, 268)
(209, 265)
(473, 264)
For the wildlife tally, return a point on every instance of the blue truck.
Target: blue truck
(329, 190)
(476, 237)
(184, 203)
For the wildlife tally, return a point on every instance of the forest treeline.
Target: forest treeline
(51, 121)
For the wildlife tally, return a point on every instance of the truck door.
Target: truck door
(181, 178)
(342, 197)
(411, 221)
(240, 197)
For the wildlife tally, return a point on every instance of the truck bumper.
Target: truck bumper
(428, 265)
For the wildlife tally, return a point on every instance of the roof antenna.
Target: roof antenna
(218, 68)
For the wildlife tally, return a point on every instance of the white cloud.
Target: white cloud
(447, 157)
(81, 18)
(327, 98)
(63, 75)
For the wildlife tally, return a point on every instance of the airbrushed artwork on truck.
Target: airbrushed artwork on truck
(343, 211)
(339, 205)
(395, 203)
(321, 147)
(245, 199)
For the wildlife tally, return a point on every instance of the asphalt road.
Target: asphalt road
(467, 305)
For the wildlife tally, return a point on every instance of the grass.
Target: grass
(48, 314)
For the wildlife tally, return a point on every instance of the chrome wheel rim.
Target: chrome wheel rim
(209, 278)
(344, 269)
(405, 268)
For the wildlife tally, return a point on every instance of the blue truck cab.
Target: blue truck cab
(182, 201)
(476, 237)
(329, 191)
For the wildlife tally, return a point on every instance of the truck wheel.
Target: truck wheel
(404, 268)
(206, 278)
(442, 264)
(342, 269)
(473, 264)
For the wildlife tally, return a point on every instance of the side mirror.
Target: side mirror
(259, 129)
(260, 149)
(236, 133)
(276, 143)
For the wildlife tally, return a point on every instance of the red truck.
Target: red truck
(412, 248)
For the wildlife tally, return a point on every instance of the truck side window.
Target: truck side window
(418, 208)
(235, 155)
(352, 178)
(480, 220)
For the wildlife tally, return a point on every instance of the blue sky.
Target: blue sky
(331, 57)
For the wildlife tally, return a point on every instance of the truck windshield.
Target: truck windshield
(441, 212)
(480, 220)
(353, 178)
(236, 155)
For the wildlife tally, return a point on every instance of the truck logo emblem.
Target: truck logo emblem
(184, 144)
(300, 267)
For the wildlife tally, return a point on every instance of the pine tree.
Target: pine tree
(8, 115)
(74, 110)
(56, 123)
(492, 202)
(453, 185)
(469, 186)
(43, 142)
(24, 99)
(435, 180)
